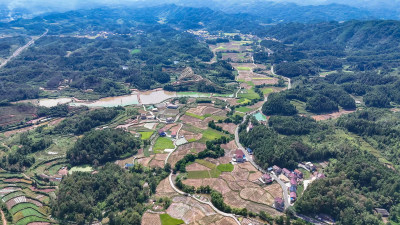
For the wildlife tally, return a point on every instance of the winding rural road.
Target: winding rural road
(250, 158)
(21, 49)
(171, 182)
(3, 217)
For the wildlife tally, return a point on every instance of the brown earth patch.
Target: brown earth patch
(183, 150)
(144, 161)
(225, 221)
(122, 162)
(198, 110)
(164, 188)
(233, 199)
(210, 110)
(332, 115)
(189, 120)
(230, 127)
(161, 157)
(274, 189)
(151, 219)
(247, 166)
(254, 176)
(156, 163)
(196, 167)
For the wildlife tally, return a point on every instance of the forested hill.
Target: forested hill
(109, 19)
(374, 35)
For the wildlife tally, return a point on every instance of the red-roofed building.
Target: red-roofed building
(266, 178)
(286, 172)
(293, 196)
(320, 175)
(298, 173)
(279, 204)
(293, 182)
(173, 134)
(277, 169)
(239, 156)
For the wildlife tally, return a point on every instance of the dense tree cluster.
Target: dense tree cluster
(82, 123)
(277, 104)
(83, 197)
(357, 183)
(298, 125)
(101, 146)
(213, 150)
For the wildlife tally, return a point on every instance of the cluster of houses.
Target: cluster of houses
(147, 116)
(295, 177)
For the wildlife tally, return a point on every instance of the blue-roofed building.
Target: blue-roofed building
(128, 165)
(249, 151)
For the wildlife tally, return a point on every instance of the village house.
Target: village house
(382, 212)
(311, 166)
(279, 204)
(249, 151)
(293, 182)
(286, 172)
(170, 120)
(293, 189)
(154, 110)
(173, 134)
(239, 156)
(320, 176)
(172, 106)
(298, 173)
(277, 169)
(293, 197)
(266, 178)
(143, 116)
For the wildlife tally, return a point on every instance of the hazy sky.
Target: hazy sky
(46, 5)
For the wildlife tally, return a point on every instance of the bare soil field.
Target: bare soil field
(230, 127)
(215, 183)
(236, 57)
(198, 110)
(225, 221)
(189, 120)
(332, 115)
(169, 126)
(254, 176)
(161, 157)
(151, 219)
(189, 135)
(211, 110)
(274, 189)
(196, 167)
(248, 166)
(192, 212)
(156, 163)
(231, 146)
(144, 161)
(164, 188)
(183, 150)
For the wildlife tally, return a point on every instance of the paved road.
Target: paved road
(183, 193)
(19, 50)
(3, 218)
(287, 78)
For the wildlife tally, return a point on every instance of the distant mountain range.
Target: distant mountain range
(263, 11)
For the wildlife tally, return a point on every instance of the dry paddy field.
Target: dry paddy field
(332, 115)
(193, 212)
(151, 219)
(183, 150)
